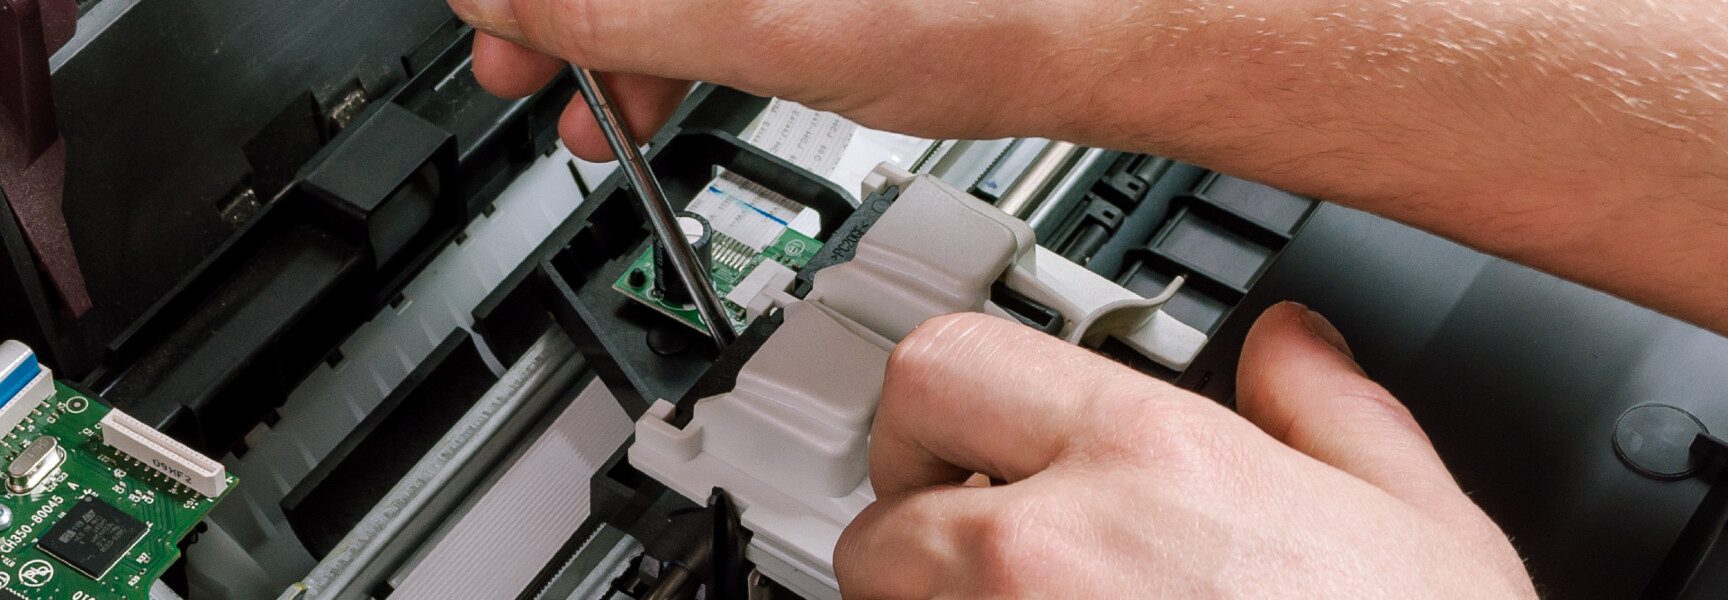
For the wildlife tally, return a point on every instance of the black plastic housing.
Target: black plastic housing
(386, 445)
(345, 201)
(570, 276)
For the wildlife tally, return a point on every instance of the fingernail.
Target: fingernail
(1323, 329)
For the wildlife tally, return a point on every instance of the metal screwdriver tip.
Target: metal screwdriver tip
(662, 219)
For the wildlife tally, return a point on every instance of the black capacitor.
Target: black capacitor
(701, 236)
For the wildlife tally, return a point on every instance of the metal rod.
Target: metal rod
(1028, 191)
(676, 583)
(1007, 167)
(661, 218)
(1066, 194)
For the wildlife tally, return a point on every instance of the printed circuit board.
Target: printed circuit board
(101, 524)
(732, 262)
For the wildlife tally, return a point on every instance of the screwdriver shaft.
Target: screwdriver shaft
(661, 218)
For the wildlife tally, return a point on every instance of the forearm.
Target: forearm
(1587, 138)
(1584, 140)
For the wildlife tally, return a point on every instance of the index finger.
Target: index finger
(972, 393)
(613, 35)
(511, 71)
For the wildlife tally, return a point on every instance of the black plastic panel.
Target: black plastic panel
(570, 276)
(158, 113)
(395, 436)
(1148, 221)
(364, 213)
(1517, 376)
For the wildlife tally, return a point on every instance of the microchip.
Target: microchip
(6, 594)
(93, 537)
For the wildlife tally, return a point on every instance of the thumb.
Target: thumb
(1299, 383)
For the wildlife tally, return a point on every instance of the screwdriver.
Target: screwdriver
(661, 218)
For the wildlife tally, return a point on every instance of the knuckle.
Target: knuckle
(914, 528)
(1021, 539)
(1359, 387)
(850, 553)
(1379, 402)
(1371, 406)
(1167, 428)
(934, 348)
(1177, 444)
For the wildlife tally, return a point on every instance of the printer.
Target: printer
(295, 310)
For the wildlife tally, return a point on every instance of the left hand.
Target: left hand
(1121, 486)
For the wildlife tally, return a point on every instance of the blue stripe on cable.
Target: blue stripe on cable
(17, 378)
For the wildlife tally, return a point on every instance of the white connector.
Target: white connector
(171, 458)
(27, 401)
(24, 384)
(764, 288)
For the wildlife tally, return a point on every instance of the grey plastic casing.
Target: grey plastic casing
(789, 442)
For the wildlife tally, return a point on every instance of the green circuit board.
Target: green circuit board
(732, 262)
(92, 472)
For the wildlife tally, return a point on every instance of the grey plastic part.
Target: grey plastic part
(815, 388)
(938, 250)
(935, 252)
(539, 502)
(789, 442)
(1096, 309)
(161, 591)
(219, 566)
(395, 527)
(766, 287)
(376, 358)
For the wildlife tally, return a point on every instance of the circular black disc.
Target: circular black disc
(666, 339)
(1656, 441)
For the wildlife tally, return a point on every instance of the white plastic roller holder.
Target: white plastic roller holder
(789, 442)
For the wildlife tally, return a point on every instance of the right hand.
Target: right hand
(936, 68)
(1584, 139)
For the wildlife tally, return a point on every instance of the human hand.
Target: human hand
(938, 68)
(1583, 139)
(1120, 486)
